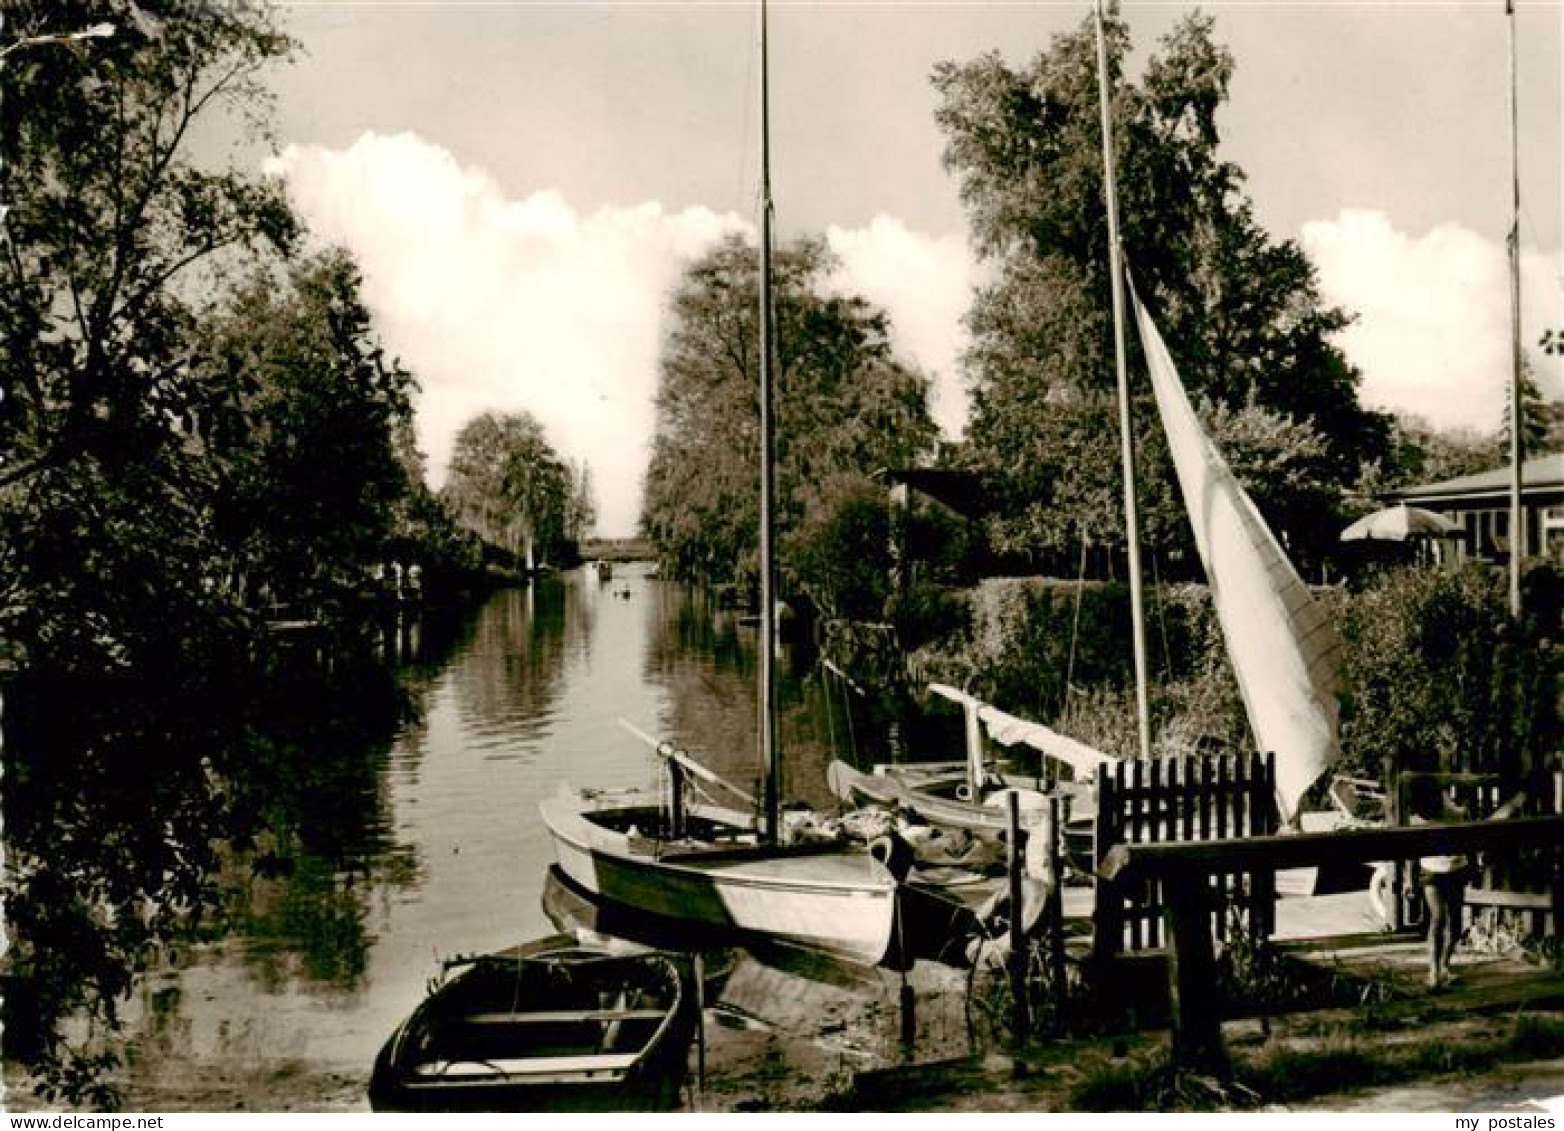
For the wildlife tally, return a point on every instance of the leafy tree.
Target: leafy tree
(845, 408)
(508, 485)
(128, 486)
(304, 439)
(841, 549)
(116, 248)
(1542, 420)
(1241, 312)
(1282, 462)
(1420, 453)
(422, 527)
(116, 239)
(1438, 676)
(581, 507)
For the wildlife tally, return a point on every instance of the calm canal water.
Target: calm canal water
(436, 845)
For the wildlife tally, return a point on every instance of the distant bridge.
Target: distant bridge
(617, 550)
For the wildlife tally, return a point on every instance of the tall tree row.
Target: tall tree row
(845, 407)
(306, 473)
(508, 485)
(197, 420)
(1240, 311)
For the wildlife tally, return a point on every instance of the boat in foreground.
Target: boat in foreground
(548, 1025)
(727, 869)
(714, 869)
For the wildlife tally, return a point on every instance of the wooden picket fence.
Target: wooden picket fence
(1203, 797)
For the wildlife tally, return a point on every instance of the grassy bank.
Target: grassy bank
(1345, 1057)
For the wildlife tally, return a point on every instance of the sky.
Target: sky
(522, 183)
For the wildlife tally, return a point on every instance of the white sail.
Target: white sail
(1283, 647)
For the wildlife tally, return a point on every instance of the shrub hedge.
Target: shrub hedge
(1434, 672)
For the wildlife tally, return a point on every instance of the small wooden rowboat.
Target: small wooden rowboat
(549, 1025)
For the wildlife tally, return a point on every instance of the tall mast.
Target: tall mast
(1517, 423)
(1126, 439)
(768, 626)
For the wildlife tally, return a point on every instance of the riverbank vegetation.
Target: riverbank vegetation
(846, 408)
(508, 485)
(207, 448)
(909, 591)
(1436, 675)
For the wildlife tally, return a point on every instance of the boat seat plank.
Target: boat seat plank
(525, 1066)
(543, 1017)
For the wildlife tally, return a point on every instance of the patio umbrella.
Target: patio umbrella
(1399, 523)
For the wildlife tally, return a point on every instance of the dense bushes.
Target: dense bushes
(1437, 676)
(1434, 674)
(1059, 650)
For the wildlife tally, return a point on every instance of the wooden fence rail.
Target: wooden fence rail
(1185, 870)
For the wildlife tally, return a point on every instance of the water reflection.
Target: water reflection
(392, 848)
(783, 1027)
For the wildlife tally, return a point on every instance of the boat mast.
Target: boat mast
(1517, 372)
(1126, 438)
(768, 613)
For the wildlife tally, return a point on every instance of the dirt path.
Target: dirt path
(1533, 1086)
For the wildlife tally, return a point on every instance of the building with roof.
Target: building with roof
(1481, 504)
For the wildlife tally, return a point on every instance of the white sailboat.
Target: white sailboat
(1281, 644)
(722, 868)
(1283, 647)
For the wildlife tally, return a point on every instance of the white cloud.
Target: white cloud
(528, 304)
(925, 285)
(1433, 332)
(509, 305)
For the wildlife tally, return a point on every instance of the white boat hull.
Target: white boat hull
(841, 903)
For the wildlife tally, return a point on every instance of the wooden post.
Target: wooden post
(1054, 915)
(1197, 1024)
(675, 800)
(1556, 887)
(1264, 822)
(1135, 830)
(1224, 829)
(1107, 929)
(699, 964)
(1400, 873)
(1557, 884)
(1018, 1019)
